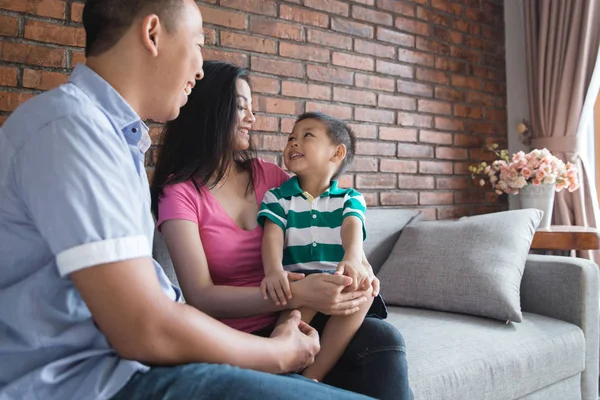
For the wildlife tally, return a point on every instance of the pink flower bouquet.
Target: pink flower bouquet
(538, 167)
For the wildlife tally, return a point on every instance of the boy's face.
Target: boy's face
(310, 150)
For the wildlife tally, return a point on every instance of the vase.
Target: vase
(540, 197)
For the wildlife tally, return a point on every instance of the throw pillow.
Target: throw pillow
(472, 265)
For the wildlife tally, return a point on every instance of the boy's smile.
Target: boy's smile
(309, 148)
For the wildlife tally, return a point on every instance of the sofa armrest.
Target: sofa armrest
(566, 288)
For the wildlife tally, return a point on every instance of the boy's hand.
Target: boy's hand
(353, 267)
(277, 286)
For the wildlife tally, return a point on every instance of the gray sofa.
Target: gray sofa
(551, 355)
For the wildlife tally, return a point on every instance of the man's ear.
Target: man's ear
(340, 153)
(151, 31)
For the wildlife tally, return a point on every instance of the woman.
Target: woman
(206, 191)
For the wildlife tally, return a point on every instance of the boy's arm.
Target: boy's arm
(272, 248)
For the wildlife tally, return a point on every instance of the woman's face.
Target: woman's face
(245, 117)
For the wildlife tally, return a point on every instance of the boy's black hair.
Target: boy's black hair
(339, 132)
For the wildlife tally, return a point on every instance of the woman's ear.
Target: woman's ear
(151, 30)
(340, 153)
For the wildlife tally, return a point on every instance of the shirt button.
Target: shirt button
(314, 216)
(314, 244)
(134, 130)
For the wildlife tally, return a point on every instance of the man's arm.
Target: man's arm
(143, 324)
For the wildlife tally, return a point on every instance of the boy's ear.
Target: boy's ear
(340, 153)
(151, 30)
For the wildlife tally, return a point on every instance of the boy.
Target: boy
(312, 226)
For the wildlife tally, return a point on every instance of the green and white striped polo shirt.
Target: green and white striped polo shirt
(311, 226)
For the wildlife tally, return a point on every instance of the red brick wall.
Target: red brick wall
(421, 81)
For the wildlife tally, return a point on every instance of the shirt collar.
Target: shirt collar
(292, 188)
(113, 104)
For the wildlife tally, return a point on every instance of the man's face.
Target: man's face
(178, 64)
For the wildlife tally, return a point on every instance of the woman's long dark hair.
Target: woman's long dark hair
(199, 145)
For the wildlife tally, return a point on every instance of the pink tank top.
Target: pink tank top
(233, 254)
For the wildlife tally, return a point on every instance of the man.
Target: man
(84, 309)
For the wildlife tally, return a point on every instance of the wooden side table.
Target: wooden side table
(565, 238)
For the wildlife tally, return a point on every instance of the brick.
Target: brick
(277, 67)
(76, 58)
(448, 7)
(54, 33)
(279, 106)
(330, 39)
(449, 124)
(397, 38)
(354, 96)
(435, 17)
(468, 140)
(9, 26)
(76, 12)
(482, 127)
(449, 213)
(481, 155)
(415, 182)
(466, 82)
(415, 57)
(303, 16)
(469, 55)
(398, 198)
(379, 181)
(414, 88)
(299, 52)
(276, 29)
(353, 61)
(492, 34)
(365, 2)
(218, 16)
(450, 153)
(43, 8)
(397, 7)
(43, 80)
(245, 42)
(454, 95)
(398, 166)
(374, 49)
(447, 35)
(8, 76)
(430, 75)
(269, 157)
(432, 46)
(495, 115)
(374, 82)
(210, 37)
(333, 75)
(266, 124)
(32, 54)
(261, 84)
(375, 17)
(346, 181)
(452, 65)
(435, 167)
(412, 26)
(404, 71)
(484, 99)
(9, 101)
(409, 119)
(305, 90)
(352, 27)
(341, 112)
(331, 6)
(465, 197)
(453, 183)
(364, 131)
(265, 7)
(497, 88)
(371, 199)
(287, 125)
(434, 106)
(375, 148)
(370, 115)
(427, 198)
(468, 111)
(435, 137)
(233, 57)
(397, 102)
(273, 142)
(409, 150)
(397, 134)
(491, 197)
(364, 164)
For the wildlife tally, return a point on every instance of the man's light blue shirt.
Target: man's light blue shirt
(73, 194)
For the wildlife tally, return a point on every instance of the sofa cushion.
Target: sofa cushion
(472, 265)
(383, 229)
(456, 356)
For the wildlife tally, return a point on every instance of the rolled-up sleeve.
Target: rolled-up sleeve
(80, 185)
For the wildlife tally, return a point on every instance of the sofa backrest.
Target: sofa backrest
(383, 229)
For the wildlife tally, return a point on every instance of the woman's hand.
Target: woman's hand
(371, 276)
(324, 293)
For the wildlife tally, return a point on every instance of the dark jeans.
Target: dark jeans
(374, 362)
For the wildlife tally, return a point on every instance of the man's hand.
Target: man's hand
(276, 285)
(354, 268)
(300, 343)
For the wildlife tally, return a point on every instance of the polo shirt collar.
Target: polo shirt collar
(292, 188)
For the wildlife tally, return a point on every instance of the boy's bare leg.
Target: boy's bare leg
(335, 338)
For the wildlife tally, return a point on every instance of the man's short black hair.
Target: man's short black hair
(106, 21)
(339, 133)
